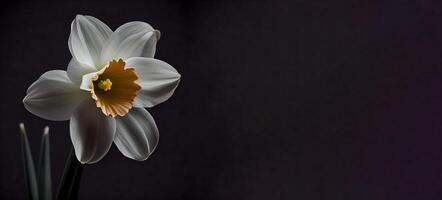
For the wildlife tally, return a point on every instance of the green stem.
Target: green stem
(70, 181)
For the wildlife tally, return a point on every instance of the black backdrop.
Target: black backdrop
(278, 100)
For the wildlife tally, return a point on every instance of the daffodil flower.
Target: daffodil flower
(110, 80)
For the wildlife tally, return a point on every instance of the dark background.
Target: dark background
(278, 100)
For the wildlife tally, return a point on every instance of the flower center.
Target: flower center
(105, 85)
(114, 88)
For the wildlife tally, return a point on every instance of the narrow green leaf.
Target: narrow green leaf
(44, 168)
(73, 193)
(28, 165)
(70, 181)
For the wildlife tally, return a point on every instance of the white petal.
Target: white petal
(53, 96)
(137, 134)
(86, 40)
(76, 70)
(86, 81)
(133, 39)
(92, 133)
(157, 79)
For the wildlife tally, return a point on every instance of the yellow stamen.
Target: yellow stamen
(105, 85)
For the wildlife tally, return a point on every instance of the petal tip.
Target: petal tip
(142, 159)
(81, 159)
(79, 16)
(25, 99)
(157, 34)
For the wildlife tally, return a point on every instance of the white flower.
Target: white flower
(111, 78)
